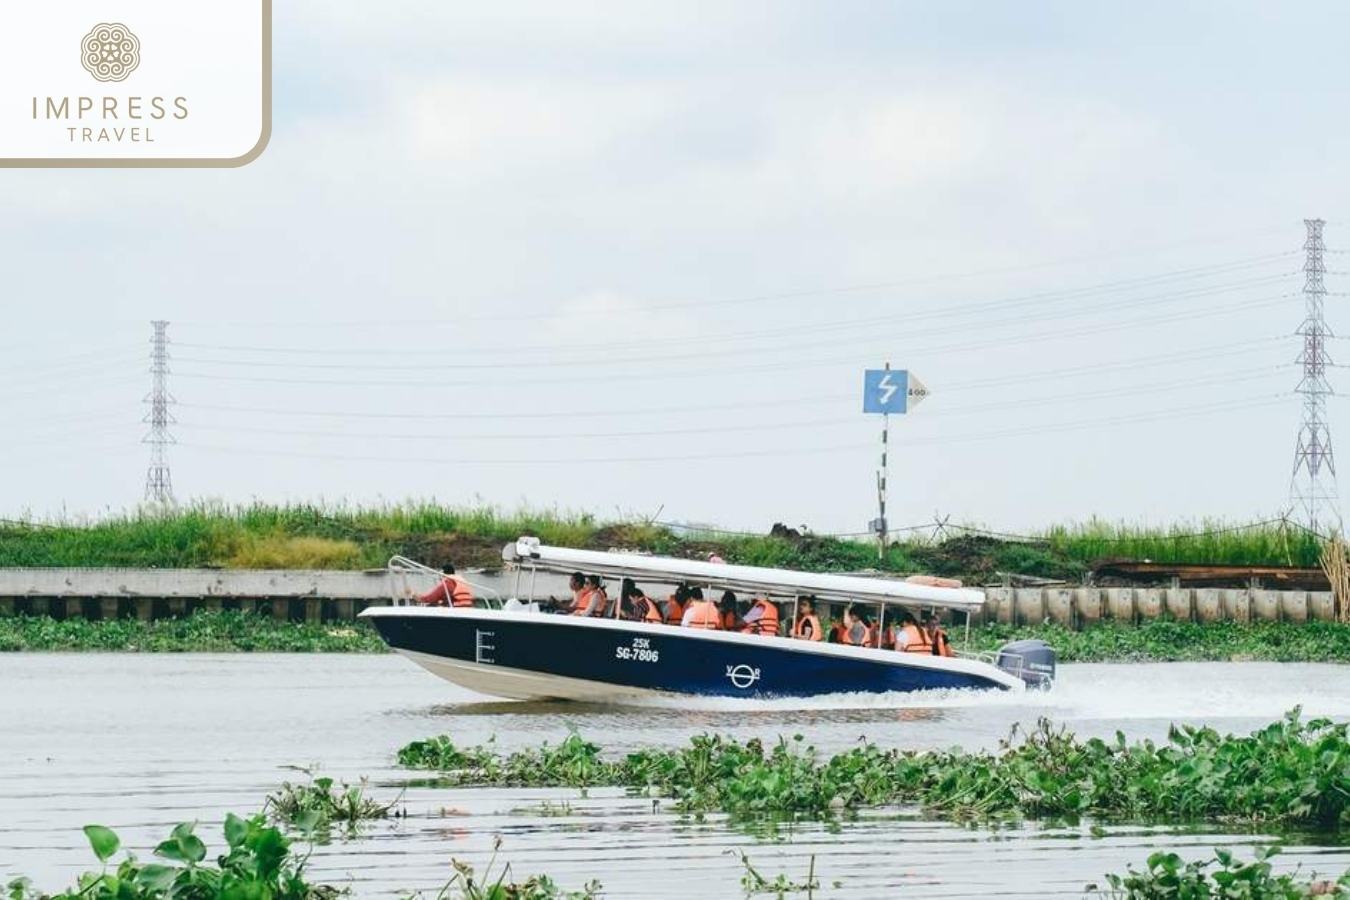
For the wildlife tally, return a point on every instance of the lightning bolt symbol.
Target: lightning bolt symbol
(887, 389)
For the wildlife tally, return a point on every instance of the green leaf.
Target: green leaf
(308, 820)
(193, 848)
(170, 850)
(103, 840)
(157, 878)
(236, 830)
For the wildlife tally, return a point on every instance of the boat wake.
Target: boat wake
(1178, 692)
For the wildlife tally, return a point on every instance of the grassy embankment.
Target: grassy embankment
(348, 538)
(351, 538)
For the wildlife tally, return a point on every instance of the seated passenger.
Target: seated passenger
(911, 638)
(674, 606)
(451, 591)
(857, 628)
(728, 617)
(807, 626)
(598, 604)
(637, 606)
(937, 637)
(762, 618)
(577, 585)
(700, 613)
(837, 629)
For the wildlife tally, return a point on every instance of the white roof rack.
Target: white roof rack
(530, 553)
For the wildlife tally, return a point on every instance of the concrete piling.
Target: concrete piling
(1208, 605)
(318, 596)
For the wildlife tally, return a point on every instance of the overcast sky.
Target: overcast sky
(627, 257)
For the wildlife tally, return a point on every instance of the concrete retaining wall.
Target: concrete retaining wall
(320, 595)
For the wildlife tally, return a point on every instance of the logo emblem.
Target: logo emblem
(742, 676)
(110, 52)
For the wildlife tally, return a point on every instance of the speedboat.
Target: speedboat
(517, 650)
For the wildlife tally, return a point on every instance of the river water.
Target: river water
(142, 742)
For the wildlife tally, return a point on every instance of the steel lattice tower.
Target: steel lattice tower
(1313, 487)
(158, 481)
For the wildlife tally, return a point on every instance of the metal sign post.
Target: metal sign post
(885, 392)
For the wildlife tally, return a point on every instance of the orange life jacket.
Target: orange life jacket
(864, 641)
(943, 645)
(885, 639)
(840, 632)
(728, 621)
(768, 620)
(652, 613)
(582, 601)
(918, 640)
(450, 592)
(807, 628)
(674, 611)
(704, 615)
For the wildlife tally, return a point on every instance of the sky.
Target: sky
(632, 259)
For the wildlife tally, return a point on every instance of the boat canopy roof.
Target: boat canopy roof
(755, 580)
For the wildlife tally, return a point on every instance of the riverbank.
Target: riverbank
(246, 632)
(345, 538)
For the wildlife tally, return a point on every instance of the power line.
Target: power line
(756, 337)
(1000, 304)
(798, 364)
(1236, 376)
(1188, 412)
(1154, 361)
(661, 307)
(871, 327)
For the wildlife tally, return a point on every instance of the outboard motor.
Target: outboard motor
(1032, 661)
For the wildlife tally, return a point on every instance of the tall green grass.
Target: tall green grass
(1206, 542)
(342, 536)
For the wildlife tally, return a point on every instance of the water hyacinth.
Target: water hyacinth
(1167, 875)
(1292, 771)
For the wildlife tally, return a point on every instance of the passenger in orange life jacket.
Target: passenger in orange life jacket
(700, 613)
(577, 585)
(728, 616)
(937, 638)
(838, 627)
(597, 603)
(451, 591)
(884, 639)
(911, 638)
(637, 606)
(857, 628)
(807, 626)
(761, 618)
(673, 609)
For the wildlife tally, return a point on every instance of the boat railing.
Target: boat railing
(405, 572)
(984, 656)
